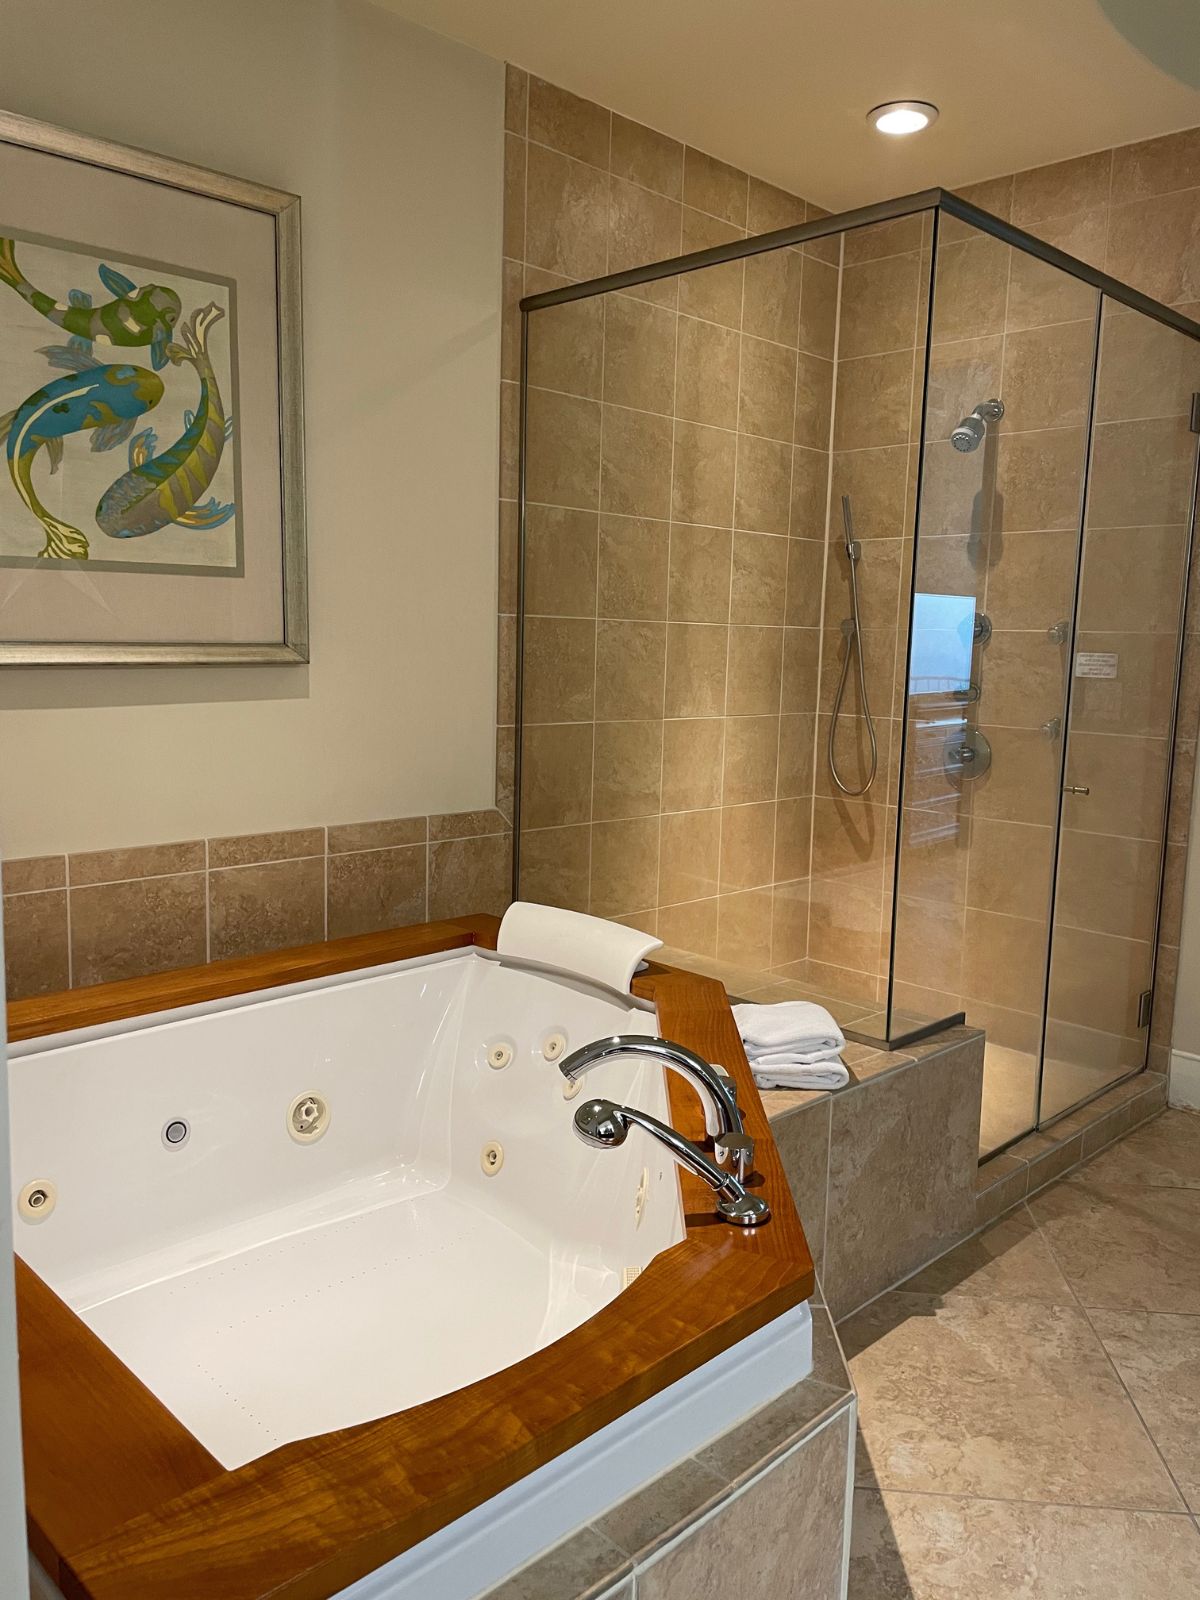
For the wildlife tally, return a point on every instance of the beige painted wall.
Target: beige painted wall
(393, 138)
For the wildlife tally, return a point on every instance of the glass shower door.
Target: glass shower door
(1139, 508)
(999, 525)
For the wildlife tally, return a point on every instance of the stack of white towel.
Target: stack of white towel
(793, 1045)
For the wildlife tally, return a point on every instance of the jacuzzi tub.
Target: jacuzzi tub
(267, 1289)
(293, 1212)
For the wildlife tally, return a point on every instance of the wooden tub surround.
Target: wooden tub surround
(125, 1504)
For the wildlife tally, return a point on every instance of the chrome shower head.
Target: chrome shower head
(972, 430)
(969, 433)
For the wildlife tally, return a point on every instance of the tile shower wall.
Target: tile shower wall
(1133, 211)
(75, 920)
(877, 418)
(676, 486)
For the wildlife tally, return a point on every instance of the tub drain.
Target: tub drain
(308, 1118)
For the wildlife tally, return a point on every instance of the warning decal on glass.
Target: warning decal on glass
(1095, 664)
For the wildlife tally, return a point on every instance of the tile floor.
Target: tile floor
(1030, 1403)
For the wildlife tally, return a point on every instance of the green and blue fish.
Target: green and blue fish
(158, 490)
(138, 316)
(106, 400)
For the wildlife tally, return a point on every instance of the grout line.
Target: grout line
(783, 661)
(1085, 1312)
(837, 1411)
(662, 763)
(69, 925)
(325, 881)
(729, 611)
(595, 620)
(825, 1228)
(1008, 1500)
(151, 877)
(679, 200)
(826, 568)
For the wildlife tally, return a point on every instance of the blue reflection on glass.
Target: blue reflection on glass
(943, 634)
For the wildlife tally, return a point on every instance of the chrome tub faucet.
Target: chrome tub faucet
(605, 1125)
(717, 1091)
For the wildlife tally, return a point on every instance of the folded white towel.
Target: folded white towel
(825, 1075)
(792, 1045)
(792, 1058)
(792, 1025)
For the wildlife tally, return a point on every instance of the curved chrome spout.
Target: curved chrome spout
(605, 1125)
(722, 1117)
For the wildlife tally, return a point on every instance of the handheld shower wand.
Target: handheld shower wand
(852, 633)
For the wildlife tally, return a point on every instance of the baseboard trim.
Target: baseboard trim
(1183, 1087)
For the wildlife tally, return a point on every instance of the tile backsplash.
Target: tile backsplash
(94, 917)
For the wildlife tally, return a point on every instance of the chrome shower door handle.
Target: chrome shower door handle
(1076, 788)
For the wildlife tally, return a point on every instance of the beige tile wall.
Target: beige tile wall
(75, 920)
(676, 483)
(879, 371)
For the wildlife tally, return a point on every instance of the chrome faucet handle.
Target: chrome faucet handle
(737, 1147)
(726, 1077)
(738, 1150)
(603, 1124)
(714, 1088)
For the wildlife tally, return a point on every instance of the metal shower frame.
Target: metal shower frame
(936, 202)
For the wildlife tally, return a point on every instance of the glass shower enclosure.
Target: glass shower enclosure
(853, 568)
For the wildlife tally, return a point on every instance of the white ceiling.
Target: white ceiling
(781, 87)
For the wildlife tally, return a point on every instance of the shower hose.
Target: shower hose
(852, 630)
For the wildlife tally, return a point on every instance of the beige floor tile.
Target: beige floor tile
(1163, 1155)
(1008, 1261)
(940, 1547)
(1124, 1249)
(1158, 1358)
(1013, 1399)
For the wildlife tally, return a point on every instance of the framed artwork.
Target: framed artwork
(151, 409)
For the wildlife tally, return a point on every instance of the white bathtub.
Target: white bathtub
(445, 1224)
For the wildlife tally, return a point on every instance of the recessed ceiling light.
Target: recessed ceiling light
(902, 116)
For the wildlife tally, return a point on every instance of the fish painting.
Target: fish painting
(163, 489)
(138, 316)
(106, 400)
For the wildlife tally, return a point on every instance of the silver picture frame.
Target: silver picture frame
(284, 208)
